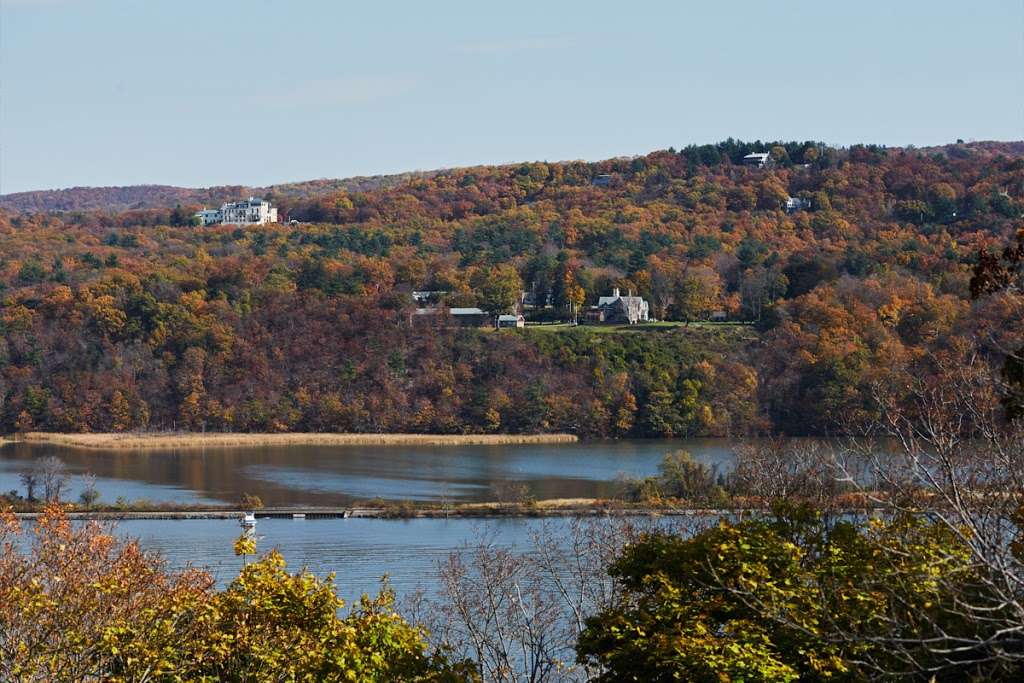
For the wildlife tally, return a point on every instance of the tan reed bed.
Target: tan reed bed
(178, 440)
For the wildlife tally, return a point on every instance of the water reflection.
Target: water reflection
(340, 475)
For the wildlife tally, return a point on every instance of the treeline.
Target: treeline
(77, 200)
(135, 320)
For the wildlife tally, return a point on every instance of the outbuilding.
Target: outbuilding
(511, 321)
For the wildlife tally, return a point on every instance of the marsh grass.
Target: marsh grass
(178, 440)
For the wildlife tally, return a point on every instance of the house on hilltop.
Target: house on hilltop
(757, 159)
(425, 297)
(619, 309)
(796, 204)
(251, 211)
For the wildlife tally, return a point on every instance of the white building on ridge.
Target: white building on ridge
(757, 159)
(209, 216)
(252, 211)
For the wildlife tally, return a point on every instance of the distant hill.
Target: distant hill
(844, 275)
(167, 196)
(1014, 148)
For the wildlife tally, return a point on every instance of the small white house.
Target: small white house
(757, 159)
(511, 321)
(796, 204)
(427, 296)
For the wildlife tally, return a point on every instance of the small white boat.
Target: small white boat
(248, 520)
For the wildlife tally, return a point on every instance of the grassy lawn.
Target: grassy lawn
(644, 327)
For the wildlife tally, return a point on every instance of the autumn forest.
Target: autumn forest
(115, 318)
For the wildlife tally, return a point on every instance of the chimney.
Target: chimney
(615, 292)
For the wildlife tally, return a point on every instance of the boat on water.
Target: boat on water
(248, 520)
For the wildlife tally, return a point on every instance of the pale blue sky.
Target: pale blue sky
(196, 93)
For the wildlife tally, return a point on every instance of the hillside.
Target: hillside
(127, 320)
(167, 196)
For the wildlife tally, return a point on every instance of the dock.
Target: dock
(490, 512)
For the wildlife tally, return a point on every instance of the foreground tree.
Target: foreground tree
(959, 462)
(78, 604)
(518, 616)
(796, 597)
(918, 574)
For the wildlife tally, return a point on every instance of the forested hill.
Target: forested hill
(890, 268)
(167, 196)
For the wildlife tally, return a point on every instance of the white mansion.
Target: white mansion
(248, 212)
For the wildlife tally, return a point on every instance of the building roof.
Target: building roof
(610, 300)
(507, 317)
(757, 155)
(424, 295)
(251, 201)
(466, 311)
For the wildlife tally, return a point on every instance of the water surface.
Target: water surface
(341, 475)
(359, 552)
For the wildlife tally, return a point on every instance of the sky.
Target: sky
(255, 92)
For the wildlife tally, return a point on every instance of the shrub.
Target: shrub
(679, 477)
(79, 604)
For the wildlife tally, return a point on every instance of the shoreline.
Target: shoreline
(188, 440)
(549, 507)
(545, 509)
(478, 511)
(493, 512)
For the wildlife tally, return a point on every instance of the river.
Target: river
(340, 475)
(358, 551)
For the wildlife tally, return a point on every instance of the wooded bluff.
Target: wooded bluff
(116, 320)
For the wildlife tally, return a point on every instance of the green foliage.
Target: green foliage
(680, 478)
(704, 246)
(272, 625)
(78, 604)
(31, 272)
(795, 597)
(914, 211)
(500, 290)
